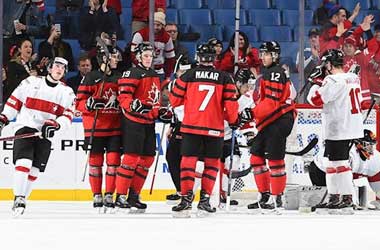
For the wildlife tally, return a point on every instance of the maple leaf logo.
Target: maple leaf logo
(110, 96)
(153, 95)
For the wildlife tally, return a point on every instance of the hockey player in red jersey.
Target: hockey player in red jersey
(139, 98)
(340, 96)
(97, 94)
(274, 115)
(42, 104)
(209, 98)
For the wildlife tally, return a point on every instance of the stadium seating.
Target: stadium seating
(227, 17)
(172, 16)
(191, 47)
(213, 4)
(307, 28)
(264, 17)
(376, 4)
(286, 4)
(75, 47)
(50, 2)
(313, 4)
(186, 4)
(227, 4)
(277, 33)
(207, 31)
(350, 4)
(126, 18)
(291, 17)
(128, 3)
(249, 4)
(193, 16)
(251, 32)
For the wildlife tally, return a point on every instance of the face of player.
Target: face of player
(349, 49)
(84, 67)
(57, 71)
(147, 58)
(266, 58)
(157, 27)
(243, 89)
(114, 60)
(26, 50)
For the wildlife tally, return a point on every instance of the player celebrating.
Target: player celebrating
(274, 115)
(209, 97)
(39, 104)
(342, 121)
(97, 94)
(139, 98)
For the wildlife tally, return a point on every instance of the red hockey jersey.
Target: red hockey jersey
(108, 120)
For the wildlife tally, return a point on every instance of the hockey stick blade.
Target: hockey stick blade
(22, 136)
(239, 174)
(309, 147)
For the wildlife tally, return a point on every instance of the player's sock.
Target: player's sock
(331, 183)
(261, 173)
(21, 174)
(188, 164)
(111, 179)
(125, 173)
(96, 177)
(277, 176)
(344, 180)
(139, 178)
(32, 177)
(210, 174)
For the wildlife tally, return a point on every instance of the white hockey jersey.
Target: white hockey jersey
(34, 101)
(340, 95)
(369, 167)
(245, 101)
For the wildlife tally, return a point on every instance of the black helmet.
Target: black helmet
(206, 52)
(243, 76)
(272, 47)
(334, 56)
(144, 46)
(365, 144)
(214, 41)
(102, 54)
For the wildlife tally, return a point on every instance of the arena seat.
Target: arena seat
(128, 3)
(251, 32)
(49, 10)
(75, 47)
(50, 3)
(193, 16)
(186, 4)
(264, 17)
(286, 4)
(350, 4)
(249, 4)
(313, 4)
(191, 47)
(207, 31)
(172, 15)
(291, 18)
(289, 49)
(227, 16)
(277, 33)
(227, 4)
(126, 18)
(212, 4)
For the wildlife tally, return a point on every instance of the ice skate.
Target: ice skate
(256, 206)
(173, 199)
(204, 207)
(18, 206)
(223, 201)
(346, 206)
(183, 209)
(374, 205)
(273, 205)
(137, 206)
(121, 203)
(109, 205)
(98, 202)
(330, 207)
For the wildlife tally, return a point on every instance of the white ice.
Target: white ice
(76, 225)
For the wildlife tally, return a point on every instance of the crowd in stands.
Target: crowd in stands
(36, 31)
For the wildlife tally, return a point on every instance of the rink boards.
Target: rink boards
(62, 179)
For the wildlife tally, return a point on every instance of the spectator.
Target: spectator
(164, 59)
(21, 66)
(374, 72)
(67, 14)
(248, 57)
(54, 46)
(140, 13)
(332, 32)
(31, 22)
(84, 66)
(321, 15)
(94, 20)
(172, 30)
(218, 46)
(116, 5)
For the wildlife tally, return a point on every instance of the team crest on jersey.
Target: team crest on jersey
(153, 95)
(111, 98)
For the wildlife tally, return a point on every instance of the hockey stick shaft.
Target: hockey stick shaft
(306, 149)
(157, 158)
(228, 200)
(22, 136)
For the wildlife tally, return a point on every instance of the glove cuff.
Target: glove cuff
(4, 119)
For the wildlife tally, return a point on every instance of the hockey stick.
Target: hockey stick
(375, 98)
(306, 149)
(228, 200)
(157, 158)
(238, 174)
(90, 141)
(22, 136)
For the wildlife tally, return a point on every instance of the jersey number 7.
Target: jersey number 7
(210, 91)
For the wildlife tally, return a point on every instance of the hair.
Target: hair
(83, 57)
(231, 44)
(171, 24)
(14, 51)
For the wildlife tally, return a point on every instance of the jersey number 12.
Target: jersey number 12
(210, 91)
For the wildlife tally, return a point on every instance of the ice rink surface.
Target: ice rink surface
(76, 225)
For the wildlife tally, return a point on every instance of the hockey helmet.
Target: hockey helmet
(365, 144)
(58, 60)
(244, 76)
(206, 53)
(103, 54)
(213, 42)
(144, 46)
(334, 56)
(272, 47)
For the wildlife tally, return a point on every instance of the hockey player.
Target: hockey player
(139, 98)
(340, 96)
(274, 115)
(42, 104)
(209, 97)
(97, 96)
(245, 83)
(364, 162)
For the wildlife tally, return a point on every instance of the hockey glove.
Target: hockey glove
(94, 103)
(3, 122)
(317, 75)
(138, 107)
(245, 116)
(49, 127)
(249, 137)
(165, 114)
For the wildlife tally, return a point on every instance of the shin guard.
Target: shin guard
(261, 173)
(210, 174)
(188, 164)
(277, 176)
(125, 173)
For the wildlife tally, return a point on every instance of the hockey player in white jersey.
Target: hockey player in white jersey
(245, 83)
(364, 162)
(39, 104)
(340, 98)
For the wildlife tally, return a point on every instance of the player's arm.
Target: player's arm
(85, 90)
(177, 94)
(67, 116)
(127, 85)
(230, 103)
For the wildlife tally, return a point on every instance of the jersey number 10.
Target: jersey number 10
(355, 105)
(210, 91)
